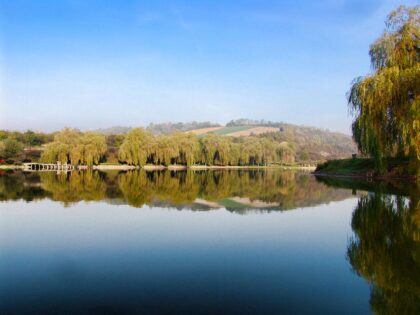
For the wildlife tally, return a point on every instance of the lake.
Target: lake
(207, 242)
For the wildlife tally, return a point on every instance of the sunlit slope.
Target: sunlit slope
(236, 131)
(307, 143)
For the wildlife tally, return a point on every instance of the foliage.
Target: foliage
(346, 166)
(141, 147)
(292, 144)
(386, 103)
(27, 138)
(137, 146)
(307, 144)
(10, 148)
(75, 147)
(20, 146)
(396, 167)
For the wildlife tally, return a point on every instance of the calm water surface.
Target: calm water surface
(211, 242)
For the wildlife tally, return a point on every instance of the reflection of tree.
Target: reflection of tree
(286, 189)
(15, 186)
(136, 188)
(272, 188)
(74, 186)
(141, 187)
(386, 251)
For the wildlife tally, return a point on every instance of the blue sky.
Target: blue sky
(92, 63)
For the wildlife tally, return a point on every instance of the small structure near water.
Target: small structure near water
(47, 167)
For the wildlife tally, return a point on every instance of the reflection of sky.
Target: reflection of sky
(92, 254)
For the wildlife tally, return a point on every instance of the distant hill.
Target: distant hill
(167, 128)
(236, 131)
(117, 130)
(308, 144)
(161, 128)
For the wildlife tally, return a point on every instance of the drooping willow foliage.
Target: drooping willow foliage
(75, 147)
(386, 103)
(141, 147)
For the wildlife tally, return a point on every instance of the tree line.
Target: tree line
(141, 147)
(13, 143)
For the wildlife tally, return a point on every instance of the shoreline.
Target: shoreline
(124, 167)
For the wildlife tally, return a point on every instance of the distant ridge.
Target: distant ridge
(161, 128)
(116, 130)
(307, 143)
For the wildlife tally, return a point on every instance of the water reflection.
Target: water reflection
(282, 262)
(385, 247)
(201, 190)
(385, 250)
(73, 187)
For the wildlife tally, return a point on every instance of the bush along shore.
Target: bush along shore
(366, 168)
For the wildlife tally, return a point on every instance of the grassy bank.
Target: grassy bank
(365, 167)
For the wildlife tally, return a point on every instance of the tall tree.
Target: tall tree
(138, 145)
(188, 146)
(92, 148)
(386, 103)
(75, 147)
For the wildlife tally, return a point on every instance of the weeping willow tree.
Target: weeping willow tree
(166, 149)
(386, 103)
(75, 147)
(137, 146)
(188, 147)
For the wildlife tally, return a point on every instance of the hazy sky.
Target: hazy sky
(97, 63)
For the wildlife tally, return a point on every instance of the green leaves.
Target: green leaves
(75, 147)
(136, 147)
(141, 147)
(386, 104)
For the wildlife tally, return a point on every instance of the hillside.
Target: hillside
(295, 144)
(161, 128)
(237, 131)
(306, 143)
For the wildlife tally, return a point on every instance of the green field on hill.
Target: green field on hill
(229, 130)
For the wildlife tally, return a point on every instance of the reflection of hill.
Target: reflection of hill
(386, 251)
(238, 190)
